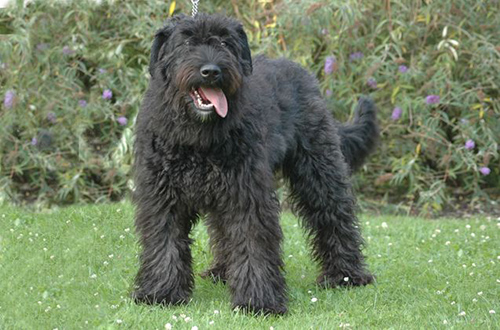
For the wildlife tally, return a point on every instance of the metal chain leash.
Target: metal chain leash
(195, 7)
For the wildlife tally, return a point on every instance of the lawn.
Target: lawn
(72, 268)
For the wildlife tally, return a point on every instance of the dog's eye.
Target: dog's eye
(186, 42)
(223, 44)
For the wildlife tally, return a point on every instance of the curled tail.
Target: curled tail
(359, 138)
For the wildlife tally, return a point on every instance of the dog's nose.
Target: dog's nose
(210, 71)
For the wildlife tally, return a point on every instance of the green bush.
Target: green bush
(72, 77)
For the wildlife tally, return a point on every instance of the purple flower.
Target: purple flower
(324, 31)
(469, 144)
(372, 82)
(82, 103)
(403, 68)
(396, 113)
(51, 117)
(328, 92)
(464, 121)
(102, 71)
(8, 100)
(34, 141)
(107, 94)
(329, 64)
(485, 170)
(122, 120)
(67, 51)
(356, 56)
(432, 99)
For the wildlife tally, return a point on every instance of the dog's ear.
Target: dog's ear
(246, 54)
(161, 38)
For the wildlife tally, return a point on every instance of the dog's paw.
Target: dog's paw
(159, 298)
(340, 280)
(260, 309)
(215, 274)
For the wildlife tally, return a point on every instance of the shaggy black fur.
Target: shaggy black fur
(189, 162)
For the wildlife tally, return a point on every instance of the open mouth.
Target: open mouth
(207, 99)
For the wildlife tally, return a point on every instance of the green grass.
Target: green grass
(73, 268)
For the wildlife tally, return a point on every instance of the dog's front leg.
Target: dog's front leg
(252, 245)
(165, 275)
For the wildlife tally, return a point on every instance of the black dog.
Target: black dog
(213, 128)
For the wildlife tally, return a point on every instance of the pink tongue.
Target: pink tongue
(217, 98)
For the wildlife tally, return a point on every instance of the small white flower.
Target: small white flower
(453, 303)
(492, 311)
(93, 276)
(168, 326)
(216, 311)
(314, 299)
(127, 230)
(211, 322)
(462, 313)
(174, 317)
(111, 256)
(194, 328)
(474, 300)
(290, 256)
(482, 227)
(473, 235)
(467, 226)
(187, 319)
(122, 237)
(384, 225)
(430, 261)
(119, 321)
(445, 322)
(346, 279)
(480, 293)
(102, 236)
(447, 243)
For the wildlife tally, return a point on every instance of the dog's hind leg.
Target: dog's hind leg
(322, 197)
(218, 269)
(165, 275)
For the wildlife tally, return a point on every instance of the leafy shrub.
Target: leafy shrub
(72, 78)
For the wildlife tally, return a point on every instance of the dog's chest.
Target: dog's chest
(198, 178)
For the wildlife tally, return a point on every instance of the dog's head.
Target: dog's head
(204, 59)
